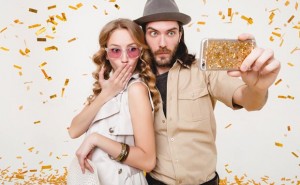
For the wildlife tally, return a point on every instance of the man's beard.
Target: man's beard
(164, 61)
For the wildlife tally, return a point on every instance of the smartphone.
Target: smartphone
(224, 54)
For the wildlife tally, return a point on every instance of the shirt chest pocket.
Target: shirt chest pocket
(193, 105)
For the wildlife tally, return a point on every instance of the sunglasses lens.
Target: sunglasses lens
(114, 52)
(133, 52)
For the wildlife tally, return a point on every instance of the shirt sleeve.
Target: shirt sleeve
(222, 87)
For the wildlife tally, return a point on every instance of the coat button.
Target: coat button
(120, 171)
(111, 130)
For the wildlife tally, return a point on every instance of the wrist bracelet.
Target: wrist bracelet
(123, 154)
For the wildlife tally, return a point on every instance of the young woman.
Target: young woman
(118, 120)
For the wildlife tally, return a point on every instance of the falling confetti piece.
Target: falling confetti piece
(282, 97)
(95, 7)
(17, 21)
(201, 22)
(278, 81)
(72, 7)
(18, 67)
(278, 144)
(295, 49)
(50, 154)
(4, 49)
(41, 39)
(71, 40)
(290, 97)
(112, 1)
(294, 154)
(228, 125)
(249, 20)
(79, 5)
(276, 34)
(291, 18)
(290, 64)
(42, 64)
(51, 7)
(37, 122)
(33, 10)
(229, 12)
(30, 149)
(3, 29)
(21, 107)
(40, 31)
(287, 3)
(33, 170)
(24, 53)
(49, 37)
(51, 48)
(66, 82)
(46, 167)
(34, 26)
(53, 96)
(117, 6)
(19, 157)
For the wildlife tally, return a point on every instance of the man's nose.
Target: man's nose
(162, 41)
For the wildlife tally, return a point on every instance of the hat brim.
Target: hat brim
(166, 16)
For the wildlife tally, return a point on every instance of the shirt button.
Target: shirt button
(163, 121)
(120, 171)
(111, 130)
(172, 139)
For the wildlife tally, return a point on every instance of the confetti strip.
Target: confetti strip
(17, 21)
(79, 5)
(228, 125)
(281, 97)
(72, 7)
(291, 18)
(37, 122)
(112, 1)
(117, 6)
(201, 22)
(71, 40)
(276, 34)
(41, 39)
(295, 49)
(66, 82)
(24, 53)
(49, 37)
(278, 81)
(40, 31)
(4, 49)
(249, 20)
(3, 29)
(34, 26)
(278, 144)
(290, 97)
(53, 96)
(95, 7)
(51, 7)
(32, 10)
(30, 149)
(21, 107)
(294, 154)
(229, 12)
(17, 67)
(51, 48)
(42, 64)
(46, 167)
(46, 75)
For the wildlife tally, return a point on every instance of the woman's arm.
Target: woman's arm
(141, 156)
(110, 88)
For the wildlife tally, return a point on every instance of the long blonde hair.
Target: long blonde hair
(143, 64)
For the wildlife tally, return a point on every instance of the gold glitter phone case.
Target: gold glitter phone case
(224, 54)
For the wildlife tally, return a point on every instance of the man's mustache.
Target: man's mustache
(162, 51)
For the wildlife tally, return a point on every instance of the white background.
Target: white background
(246, 148)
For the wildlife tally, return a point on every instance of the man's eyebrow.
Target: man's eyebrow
(171, 29)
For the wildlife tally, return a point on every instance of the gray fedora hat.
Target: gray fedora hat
(162, 10)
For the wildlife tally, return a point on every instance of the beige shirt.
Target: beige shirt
(185, 140)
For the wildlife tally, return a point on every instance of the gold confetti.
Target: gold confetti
(229, 12)
(18, 67)
(33, 10)
(53, 96)
(295, 49)
(46, 167)
(64, 16)
(4, 49)
(71, 40)
(228, 125)
(290, 97)
(50, 154)
(117, 6)
(19, 176)
(41, 39)
(60, 18)
(278, 144)
(17, 21)
(281, 97)
(287, 3)
(3, 29)
(42, 64)
(294, 154)
(72, 7)
(33, 170)
(30, 149)
(19, 157)
(53, 29)
(296, 6)
(49, 37)
(290, 64)
(51, 48)
(37, 122)
(278, 81)
(62, 92)
(289, 128)
(249, 20)
(34, 26)
(291, 18)
(21, 107)
(95, 7)
(79, 5)
(112, 1)
(276, 34)
(24, 52)
(51, 7)
(46, 75)
(201, 22)
(105, 12)
(40, 31)
(66, 82)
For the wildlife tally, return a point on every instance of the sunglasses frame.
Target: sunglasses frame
(125, 50)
